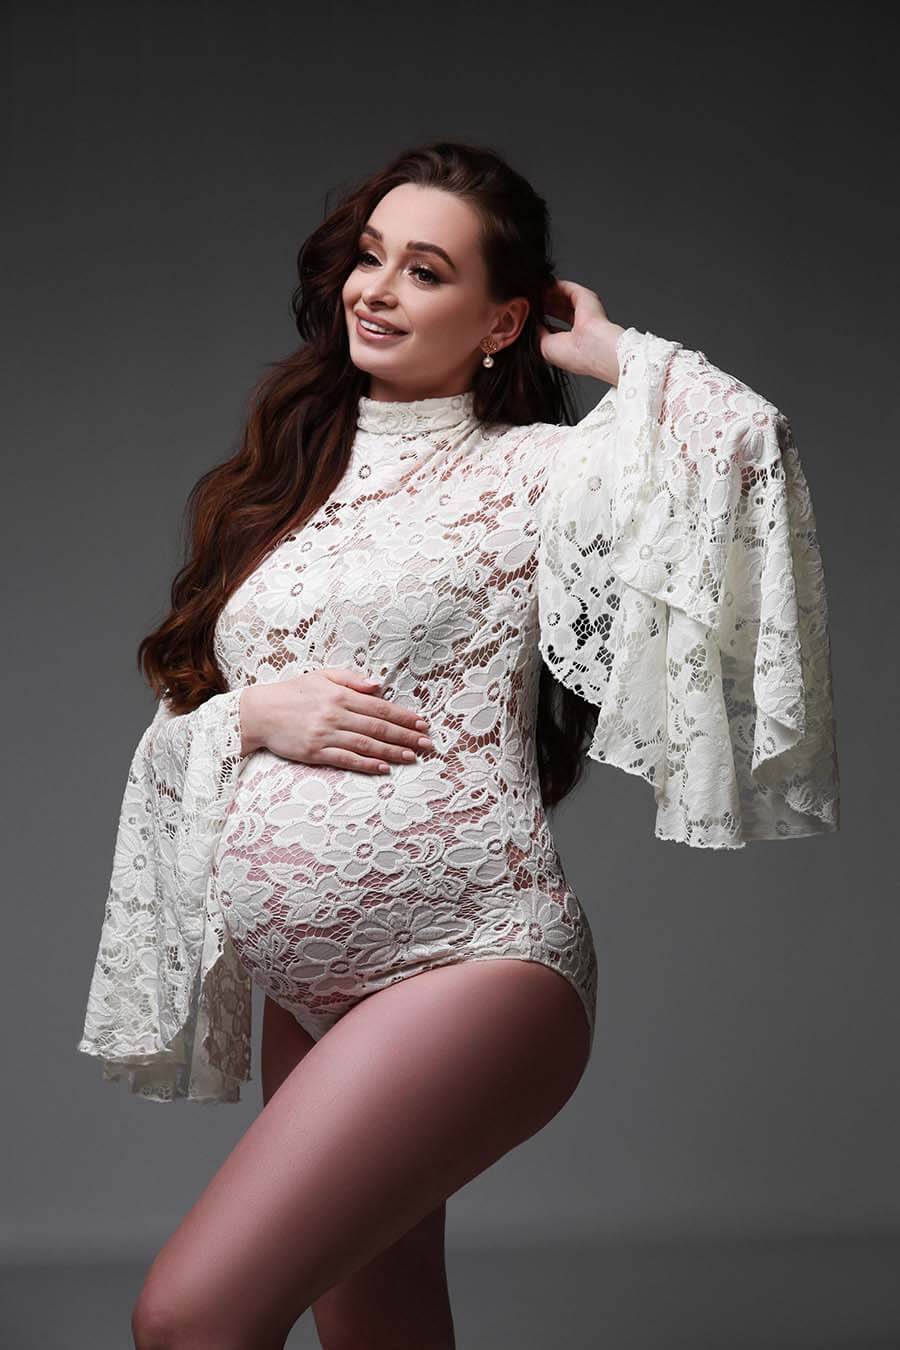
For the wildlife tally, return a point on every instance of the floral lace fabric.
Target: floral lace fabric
(169, 1007)
(660, 557)
(682, 591)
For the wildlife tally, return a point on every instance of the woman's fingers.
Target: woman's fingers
(352, 677)
(337, 758)
(558, 305)
(358, 743)
(564, 299)
(370, 705)
(383, 734)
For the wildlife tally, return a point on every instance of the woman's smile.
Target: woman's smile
(369, 335)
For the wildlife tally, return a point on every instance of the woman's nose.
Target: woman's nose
(378, 297)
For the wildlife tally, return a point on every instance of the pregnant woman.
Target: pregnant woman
(417, 597)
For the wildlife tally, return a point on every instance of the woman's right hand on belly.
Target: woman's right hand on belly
(330, 716)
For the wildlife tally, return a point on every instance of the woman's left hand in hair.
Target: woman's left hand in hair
(588, 347)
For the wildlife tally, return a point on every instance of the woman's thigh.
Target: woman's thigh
(283, 1044)
(399, 1298)
(410, 1095)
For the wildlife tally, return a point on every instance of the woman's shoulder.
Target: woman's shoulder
(543, 441)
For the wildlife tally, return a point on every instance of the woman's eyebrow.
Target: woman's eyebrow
(417, 245)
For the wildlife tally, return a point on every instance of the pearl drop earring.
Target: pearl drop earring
(490, 347)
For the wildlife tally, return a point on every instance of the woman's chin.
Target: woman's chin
(367, 359)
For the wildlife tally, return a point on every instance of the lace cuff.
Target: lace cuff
(169, 1004)
(681, 590)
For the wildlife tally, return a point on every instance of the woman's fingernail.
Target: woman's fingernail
(421, 726)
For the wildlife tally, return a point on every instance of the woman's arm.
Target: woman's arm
(681, 590)
(169, 1005)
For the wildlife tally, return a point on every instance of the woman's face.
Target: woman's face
(403, 278)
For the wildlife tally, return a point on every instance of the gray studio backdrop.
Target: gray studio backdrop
(162, 165)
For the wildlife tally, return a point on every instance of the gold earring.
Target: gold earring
(490, 347)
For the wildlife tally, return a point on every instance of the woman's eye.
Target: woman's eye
(420, 267)
(432, 279)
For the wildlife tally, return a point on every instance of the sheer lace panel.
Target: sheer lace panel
(682, 592)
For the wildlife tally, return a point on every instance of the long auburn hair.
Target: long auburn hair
(301, 421)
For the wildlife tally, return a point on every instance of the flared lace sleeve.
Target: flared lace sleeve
(169, 1005)
(681, 591)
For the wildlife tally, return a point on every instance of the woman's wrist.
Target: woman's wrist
(602, 355)
(252, 736)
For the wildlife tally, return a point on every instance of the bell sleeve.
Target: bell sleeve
(169, 1004)
(681, 591)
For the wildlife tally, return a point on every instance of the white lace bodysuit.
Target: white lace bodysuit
(660, 557)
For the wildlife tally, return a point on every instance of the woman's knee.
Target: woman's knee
(165, 1318)
(156, 1323)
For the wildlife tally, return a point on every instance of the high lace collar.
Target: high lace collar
(419, 415)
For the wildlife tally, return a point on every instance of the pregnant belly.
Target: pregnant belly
(345, 826)
(328, 879)
(300, 839)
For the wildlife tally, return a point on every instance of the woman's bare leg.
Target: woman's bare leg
(400, 1297)
(413, 1093)
(284, 1044)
